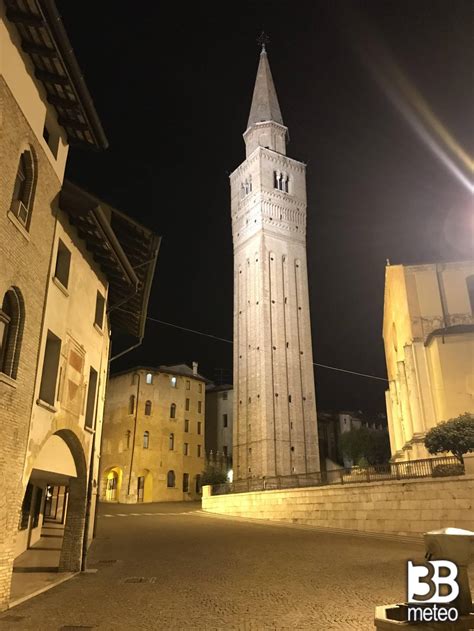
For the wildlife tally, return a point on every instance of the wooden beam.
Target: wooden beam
(66, 103)
(50, 77)
(67, 122)
(28, 19)
(35, 49)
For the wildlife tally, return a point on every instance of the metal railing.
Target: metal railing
(427, 468)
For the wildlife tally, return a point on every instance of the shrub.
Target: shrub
(443, 470)
(455, 435)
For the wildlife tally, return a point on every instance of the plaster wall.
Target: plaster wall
(218, 436)
(131, 457)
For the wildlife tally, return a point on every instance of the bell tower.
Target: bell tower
(275, 426)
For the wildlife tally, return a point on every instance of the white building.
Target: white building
(275, 427)
(219, 419)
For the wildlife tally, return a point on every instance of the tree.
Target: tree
(213, 475)
(455, 435)
(366, 446)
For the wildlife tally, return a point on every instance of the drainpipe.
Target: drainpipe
(134, 435)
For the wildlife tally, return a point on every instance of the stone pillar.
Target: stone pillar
(391, 429)
(397, 420)
(71, 551)
(413, 392)
(404, 402)
(424, 381)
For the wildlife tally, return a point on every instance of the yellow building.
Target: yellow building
(428, 332)
(153, 437)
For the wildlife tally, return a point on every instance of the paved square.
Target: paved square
(190, 570)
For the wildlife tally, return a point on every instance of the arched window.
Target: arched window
(147, 408)
(12, 317)
(470, 289)
(131, 404)
(146, 440)
(171, 442)
(24, 187)
(173, 410)
(128, 434)
(171, 479)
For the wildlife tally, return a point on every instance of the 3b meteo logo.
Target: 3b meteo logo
(430, 585)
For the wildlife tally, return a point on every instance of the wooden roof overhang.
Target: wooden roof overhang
(125, 250)
(44, 39)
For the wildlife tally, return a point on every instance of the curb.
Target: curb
(41, 590)
(414, 539)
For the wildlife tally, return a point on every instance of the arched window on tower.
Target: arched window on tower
(131, 404)
(171, 442)
(470, 289)
(173, 410)
(146, 440)
(147, 408)
(24, 188)
(128, 434)
(12, 319)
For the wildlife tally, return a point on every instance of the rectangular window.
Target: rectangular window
(224, 449)
(173, 382)
(63, 263)
(224, 420)
(50, 369)
(186, 425)
(186, 449)
(91, 397)
(187, 405)
(199, 427)
(99, 310)
(185, 482)
(199, 407)
(199, 451)
(200, 387)
(188, 384)
(224, 396)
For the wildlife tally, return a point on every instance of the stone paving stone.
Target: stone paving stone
(204, 572)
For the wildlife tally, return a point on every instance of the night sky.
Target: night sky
(173, 91)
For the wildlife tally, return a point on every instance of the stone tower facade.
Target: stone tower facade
(275, 426)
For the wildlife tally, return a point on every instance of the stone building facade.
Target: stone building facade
(64, 262)
(428, 332)
(153, 446)
(275, 427)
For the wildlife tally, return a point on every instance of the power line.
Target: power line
(221, 339)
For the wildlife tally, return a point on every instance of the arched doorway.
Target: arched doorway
(59, 467)
(112, 484)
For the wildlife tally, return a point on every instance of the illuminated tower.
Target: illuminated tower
(275, 427)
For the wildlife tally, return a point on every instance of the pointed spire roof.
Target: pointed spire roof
(264, 101)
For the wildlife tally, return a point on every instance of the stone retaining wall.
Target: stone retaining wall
(397, 507)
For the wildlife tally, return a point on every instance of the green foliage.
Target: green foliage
(365, 447)
(443, 470)
(455, 435)
(213, 475)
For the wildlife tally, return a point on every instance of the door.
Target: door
(141, 489)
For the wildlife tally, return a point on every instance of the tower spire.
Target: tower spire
(265, 107)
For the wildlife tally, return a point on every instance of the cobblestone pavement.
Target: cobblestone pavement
(169, 566)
